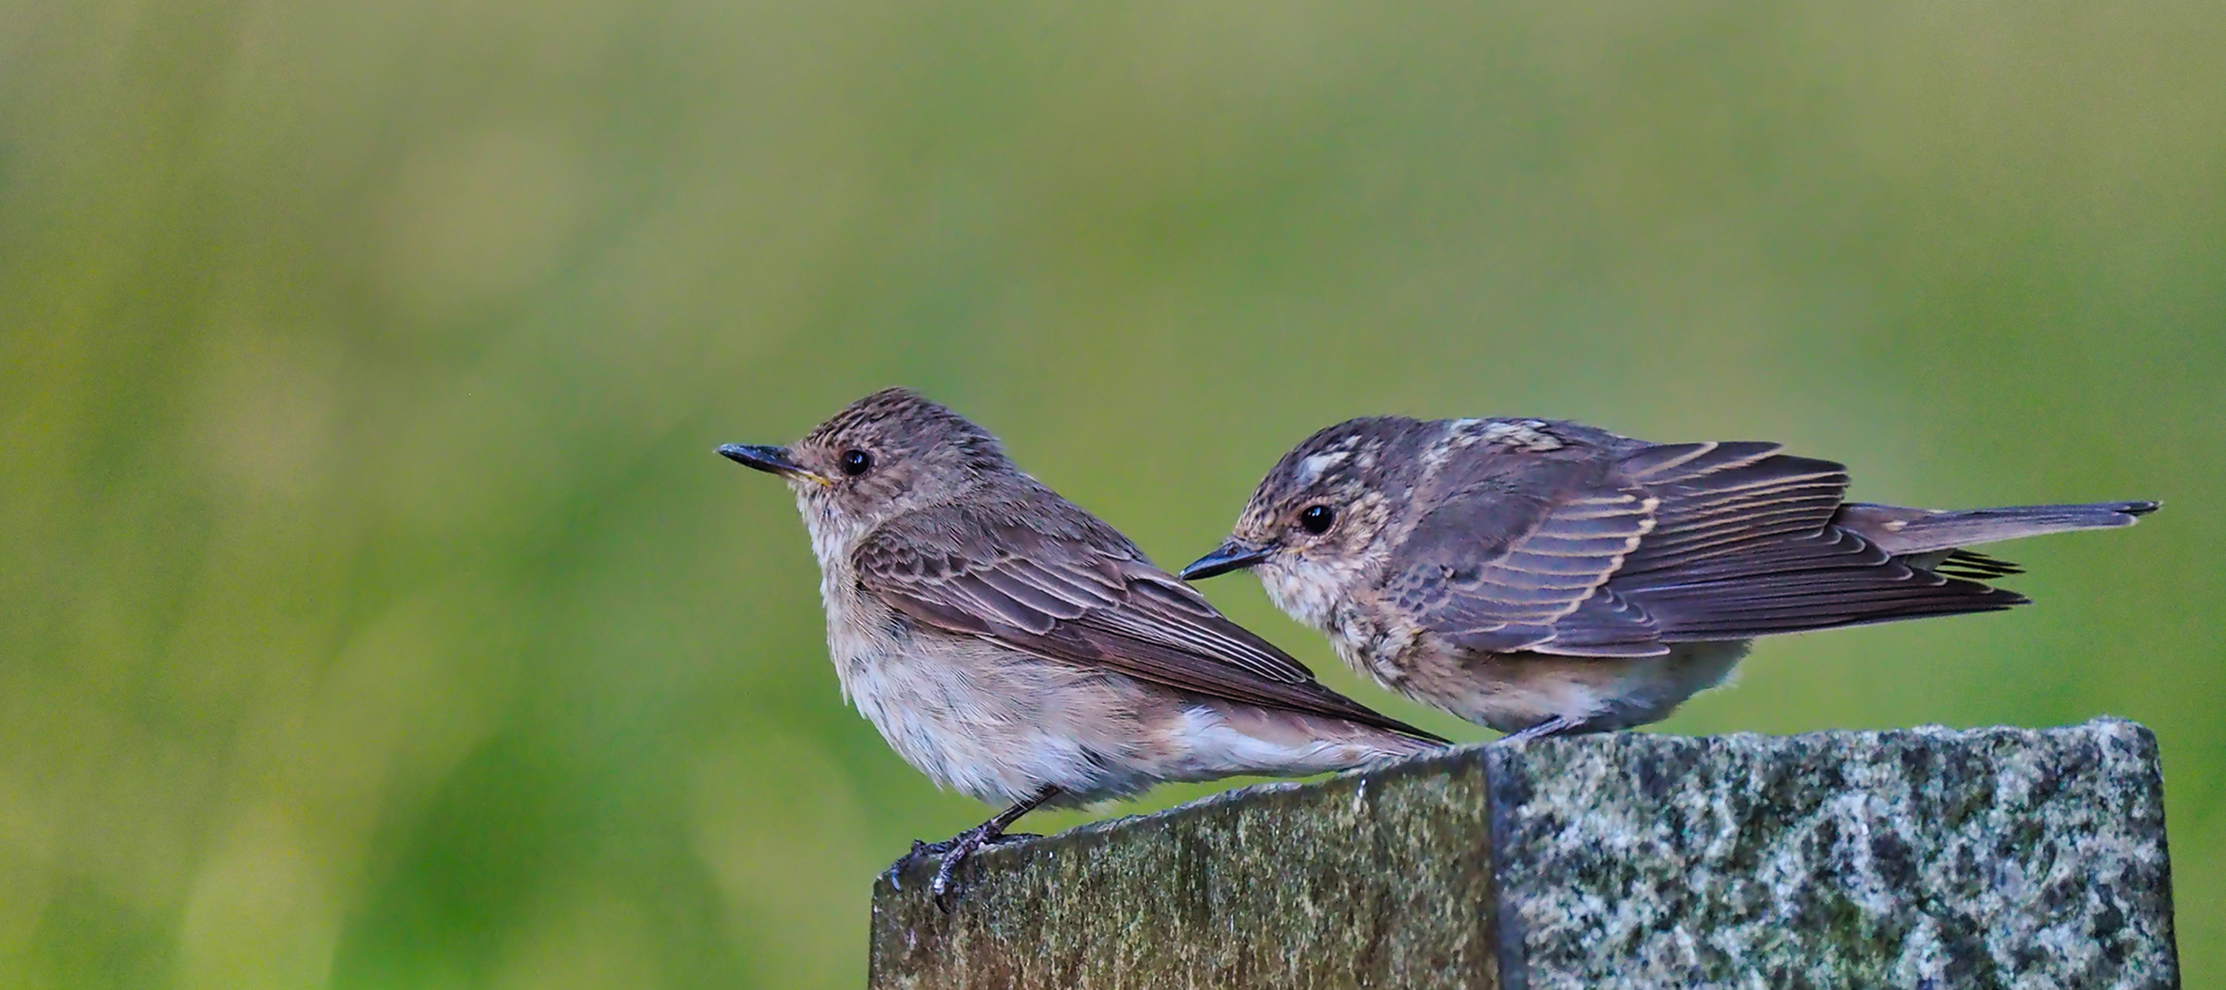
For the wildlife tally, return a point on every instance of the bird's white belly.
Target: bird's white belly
(990, 723)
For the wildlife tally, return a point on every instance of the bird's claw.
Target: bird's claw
(920, 851)
(945, 888)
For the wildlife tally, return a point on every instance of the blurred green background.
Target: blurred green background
(376, 614)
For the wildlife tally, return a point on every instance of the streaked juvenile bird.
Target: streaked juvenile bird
(1017, 649)
(1544, 577)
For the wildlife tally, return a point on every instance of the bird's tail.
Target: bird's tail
(1901, 531)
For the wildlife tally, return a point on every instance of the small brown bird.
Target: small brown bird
(1545, 577)
(1018, 649)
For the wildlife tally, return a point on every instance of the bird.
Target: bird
(1543, 577)
(1013, 647)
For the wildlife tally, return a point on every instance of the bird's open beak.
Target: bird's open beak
(771, 460)
(1233, 555)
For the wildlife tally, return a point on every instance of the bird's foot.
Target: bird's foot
(920, 851)
(929, 850)
(946, 887)
(954, 850)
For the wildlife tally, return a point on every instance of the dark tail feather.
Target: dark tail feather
(1967, 564)
(1901, 531)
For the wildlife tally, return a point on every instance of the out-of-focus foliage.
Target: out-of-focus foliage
(373, 610)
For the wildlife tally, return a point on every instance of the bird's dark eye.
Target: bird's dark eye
(1317, 519)
(856, 462)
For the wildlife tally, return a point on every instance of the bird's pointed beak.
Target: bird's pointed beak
(769, 459)
(1233, 555)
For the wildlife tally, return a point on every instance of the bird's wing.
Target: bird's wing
(1670, 543)
(1082, 595)
(1510, 567)
(1721, 502)
(1746, 544)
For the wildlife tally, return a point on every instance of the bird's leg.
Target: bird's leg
(1551, 727)
(955, 849)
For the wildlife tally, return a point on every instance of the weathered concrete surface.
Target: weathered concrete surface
(1926, 858)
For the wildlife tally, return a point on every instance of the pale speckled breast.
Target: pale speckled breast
(873, 654)
(1306, 592)
(857, 630)
(1301, 592)
(1368, 646)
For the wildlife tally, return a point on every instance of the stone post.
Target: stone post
(1926, 858)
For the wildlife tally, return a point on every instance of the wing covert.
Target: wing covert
(1513, 589)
